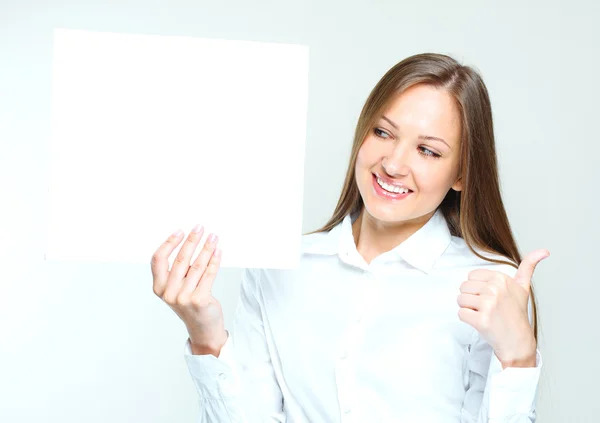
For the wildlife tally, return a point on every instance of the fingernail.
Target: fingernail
(212, 238)
(178, 232)
(197, 228)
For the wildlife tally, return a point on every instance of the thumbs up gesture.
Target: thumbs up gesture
(496, 306)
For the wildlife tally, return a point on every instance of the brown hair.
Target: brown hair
(476, 213)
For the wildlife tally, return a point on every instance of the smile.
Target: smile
(388, 191)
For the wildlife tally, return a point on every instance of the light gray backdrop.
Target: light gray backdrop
(90, 342)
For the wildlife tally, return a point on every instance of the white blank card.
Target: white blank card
(154, 133)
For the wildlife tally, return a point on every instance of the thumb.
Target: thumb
(527, 266)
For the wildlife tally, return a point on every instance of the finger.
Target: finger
(469, 316)
(182, 263)
(199, 266)
(159, 263)
(527, 266)
(469, 301)
(472, 287)
(205, 285)
(481, 275)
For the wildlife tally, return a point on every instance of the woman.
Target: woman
(411, 304)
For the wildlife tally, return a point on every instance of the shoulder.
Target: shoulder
(312, 247)
(314, 237)
(459, 254)
(318, 242)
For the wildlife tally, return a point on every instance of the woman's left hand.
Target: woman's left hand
(496, 306)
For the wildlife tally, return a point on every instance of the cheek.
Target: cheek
(434, 180)
(368, 154)
(360, 158)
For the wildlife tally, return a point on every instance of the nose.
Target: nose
(395, 162)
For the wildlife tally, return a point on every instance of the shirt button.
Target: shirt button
(344, 355)
(358, 318)
(347, 409)
(222, 376)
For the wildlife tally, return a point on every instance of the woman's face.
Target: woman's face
(400, 150)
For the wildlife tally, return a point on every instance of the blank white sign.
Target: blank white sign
(154, 133)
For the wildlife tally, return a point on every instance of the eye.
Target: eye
(424, 151)
(378, 133)
(427, 152)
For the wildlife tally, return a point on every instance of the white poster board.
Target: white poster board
(153, 133)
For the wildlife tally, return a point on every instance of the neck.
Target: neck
(374, 237)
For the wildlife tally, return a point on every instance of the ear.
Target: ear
(458, 185)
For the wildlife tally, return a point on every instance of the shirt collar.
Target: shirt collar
(420, 250)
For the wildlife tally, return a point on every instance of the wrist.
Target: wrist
(527, 357)
(527, 361)
(205, 348)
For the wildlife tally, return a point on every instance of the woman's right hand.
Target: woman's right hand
(187, 289)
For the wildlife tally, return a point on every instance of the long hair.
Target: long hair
(476, 213)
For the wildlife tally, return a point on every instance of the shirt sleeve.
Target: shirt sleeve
(240, 385)
(497, 395)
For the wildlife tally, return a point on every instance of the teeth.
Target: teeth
(391, 188)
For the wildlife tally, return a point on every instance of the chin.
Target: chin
(388, 214)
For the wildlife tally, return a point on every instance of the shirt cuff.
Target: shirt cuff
(213, 376)
(513, 389)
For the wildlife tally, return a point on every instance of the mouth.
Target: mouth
(388, 191)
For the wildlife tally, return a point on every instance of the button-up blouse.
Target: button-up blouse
(342, 340)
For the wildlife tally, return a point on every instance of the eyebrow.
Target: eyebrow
(421, 137)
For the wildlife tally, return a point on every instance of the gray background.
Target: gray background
(90, 342)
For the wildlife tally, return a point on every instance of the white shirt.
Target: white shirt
(340, 340)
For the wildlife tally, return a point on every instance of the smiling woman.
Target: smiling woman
(427, 126)
(397, 153)
(410, 304)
